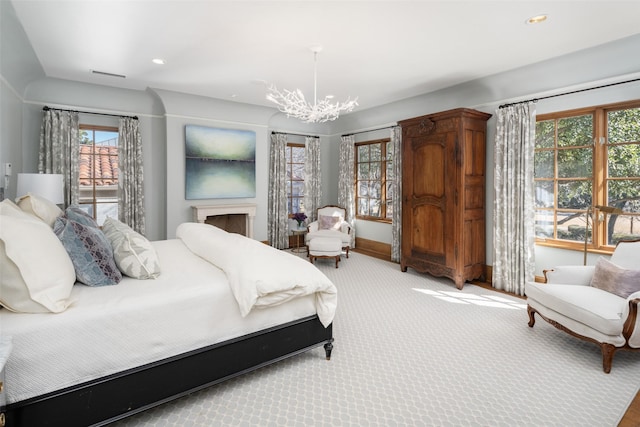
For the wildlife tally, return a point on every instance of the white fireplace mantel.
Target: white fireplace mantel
(200, 213)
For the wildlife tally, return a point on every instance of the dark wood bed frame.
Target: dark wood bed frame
(111, 398)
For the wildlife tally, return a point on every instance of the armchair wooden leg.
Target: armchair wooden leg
(607, 356)
(531, 312)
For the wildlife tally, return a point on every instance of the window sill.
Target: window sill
(574, 247)
(373, 219)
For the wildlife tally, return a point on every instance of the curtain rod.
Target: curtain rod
(568, 93)
(47, 108)
(297, 134)
(370, 130)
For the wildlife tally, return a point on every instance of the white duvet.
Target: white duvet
(260, 275)
(110, 329)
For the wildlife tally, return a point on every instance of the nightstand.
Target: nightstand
(5, 350)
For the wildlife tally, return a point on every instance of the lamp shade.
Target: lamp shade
(47, 185)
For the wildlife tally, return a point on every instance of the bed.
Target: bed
(118, 350)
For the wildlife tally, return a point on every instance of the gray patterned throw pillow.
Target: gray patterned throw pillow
(90, 252)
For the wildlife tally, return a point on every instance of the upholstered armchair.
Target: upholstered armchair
(330, 223)
(594, 303)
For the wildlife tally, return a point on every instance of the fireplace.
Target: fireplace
(238, 218)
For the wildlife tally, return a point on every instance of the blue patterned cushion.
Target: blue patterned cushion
(90, 253)
(74, 213)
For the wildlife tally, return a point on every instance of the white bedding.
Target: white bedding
(260, 275)
(113, 328)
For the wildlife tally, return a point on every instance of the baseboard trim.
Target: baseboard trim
(373, 248)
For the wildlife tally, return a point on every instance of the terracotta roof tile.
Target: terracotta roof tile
(104, 164)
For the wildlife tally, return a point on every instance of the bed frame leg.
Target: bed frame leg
(327, 349)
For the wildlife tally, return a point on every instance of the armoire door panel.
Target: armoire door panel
(428, 229)
(428, 170)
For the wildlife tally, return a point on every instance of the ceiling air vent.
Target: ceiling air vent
(104, 73)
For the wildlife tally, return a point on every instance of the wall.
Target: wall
(163, 114)
(611, 62)
(57, 93)
(18, 66)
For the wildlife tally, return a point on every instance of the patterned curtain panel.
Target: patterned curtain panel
(312, 177)
(396, 200)
(514, 211)
(130, 176)
(346, 196)
(59, 150)
(277, 218)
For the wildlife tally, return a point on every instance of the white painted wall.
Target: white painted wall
(604, 64)
(163, 114)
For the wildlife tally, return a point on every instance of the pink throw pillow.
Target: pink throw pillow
(617, 280)
(329, 222)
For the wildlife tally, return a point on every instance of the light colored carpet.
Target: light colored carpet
(411, 349)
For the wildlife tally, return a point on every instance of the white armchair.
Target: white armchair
(594, 303)
(330, 223)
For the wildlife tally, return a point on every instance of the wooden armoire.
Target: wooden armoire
(443, 194)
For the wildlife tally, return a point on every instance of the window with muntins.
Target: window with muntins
(98, 171)
(295, 178)
(587, 162)
(374, 178)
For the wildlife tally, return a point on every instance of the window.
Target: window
(98, 166)
(584, 159)
(295, 178)
(374, 179)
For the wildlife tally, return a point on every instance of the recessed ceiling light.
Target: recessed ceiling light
(537, 19)
(158, 61)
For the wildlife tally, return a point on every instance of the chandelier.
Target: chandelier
(294, 104)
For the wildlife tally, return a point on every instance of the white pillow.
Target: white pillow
(37, 274)
(40, 207)
(135, 256)
(7, 207)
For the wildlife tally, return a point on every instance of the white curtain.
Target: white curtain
(59, 150)
(312, 177)
(277, 217)
(514, 211)
(346, 190)
(396, 186)
(130, 175)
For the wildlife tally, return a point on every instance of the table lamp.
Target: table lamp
(46, 185)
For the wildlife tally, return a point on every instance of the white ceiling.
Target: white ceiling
(379, 51)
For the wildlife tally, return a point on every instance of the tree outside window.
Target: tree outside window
(295, 178)
(374, 179)
(584, 159)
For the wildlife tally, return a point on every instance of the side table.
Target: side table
(298, 232)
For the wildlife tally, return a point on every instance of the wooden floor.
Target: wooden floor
(632, 416)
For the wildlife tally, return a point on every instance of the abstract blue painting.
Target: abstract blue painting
(220, 163)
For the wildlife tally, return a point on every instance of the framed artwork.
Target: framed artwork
(220, 163)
